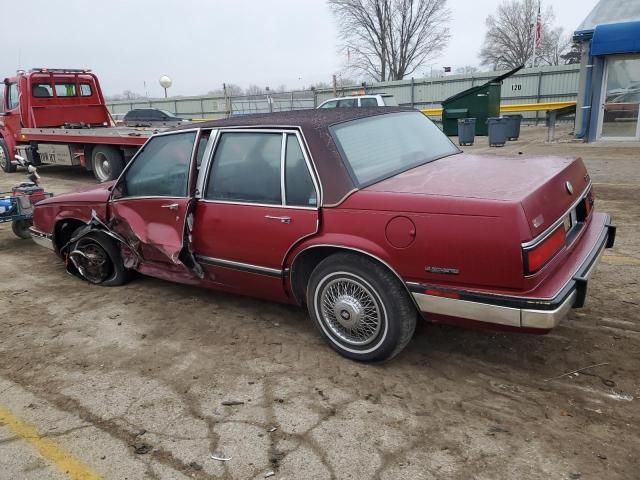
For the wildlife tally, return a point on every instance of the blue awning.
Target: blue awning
(616, 38)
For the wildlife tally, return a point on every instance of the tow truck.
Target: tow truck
(59, 116)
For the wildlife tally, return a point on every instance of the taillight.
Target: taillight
(537, 257)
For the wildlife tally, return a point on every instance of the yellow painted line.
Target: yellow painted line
(511, 107)
(621, 260)
(48, 449)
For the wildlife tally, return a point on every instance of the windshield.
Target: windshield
(168, 114)
(375, 148)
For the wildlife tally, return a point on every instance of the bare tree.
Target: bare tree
(254, 90)
(390, 39)
(510, 35)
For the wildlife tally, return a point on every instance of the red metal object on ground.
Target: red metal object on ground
(366, 216)
(59, 116)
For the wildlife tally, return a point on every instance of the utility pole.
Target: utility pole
(335, 86)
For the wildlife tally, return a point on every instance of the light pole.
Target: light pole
(165, 82)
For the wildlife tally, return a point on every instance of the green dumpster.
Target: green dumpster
(479, 102)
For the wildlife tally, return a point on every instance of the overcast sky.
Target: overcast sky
(200, 44)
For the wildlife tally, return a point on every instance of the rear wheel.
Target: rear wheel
(98, 260)
(107, 162)
(5, 158)
(21, 228)
(360, 307)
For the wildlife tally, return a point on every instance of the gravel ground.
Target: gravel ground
(135, 382)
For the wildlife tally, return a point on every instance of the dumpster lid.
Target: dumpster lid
(471, 90)
(455, 112)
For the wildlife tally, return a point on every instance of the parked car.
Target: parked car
(380, 100)
(368, 217)
(148, 117)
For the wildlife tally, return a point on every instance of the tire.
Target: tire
(377, 316)
(106, 162)
(96, 244)
(21, 228)
(5, 158)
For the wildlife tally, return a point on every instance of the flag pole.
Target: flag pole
(536, 33)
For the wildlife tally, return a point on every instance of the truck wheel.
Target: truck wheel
(99, 260)
(107, 163)
(21, 228)
(5, 158)
(360, 307)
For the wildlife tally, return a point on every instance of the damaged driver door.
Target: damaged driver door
(151, 202)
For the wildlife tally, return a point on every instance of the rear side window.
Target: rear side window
(85, 90)
(368, 102)
(246, 168)
(65, 89)
(299, 187)
(42, 90)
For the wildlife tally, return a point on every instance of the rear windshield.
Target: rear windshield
(375, 148)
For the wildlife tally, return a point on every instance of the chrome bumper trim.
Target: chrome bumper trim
(520, 313)
(42, 239)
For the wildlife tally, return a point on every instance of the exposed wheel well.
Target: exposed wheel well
(63, 231)
(308, 259)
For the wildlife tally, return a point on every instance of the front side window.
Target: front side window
(42, 90)
(65, 89)
(348, 103)
(378, 147)
(161, 169)
(246, 168)
(13, 98)
(329, 104)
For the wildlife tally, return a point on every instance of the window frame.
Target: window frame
(190, 191)
(9, 97)
(204, 174)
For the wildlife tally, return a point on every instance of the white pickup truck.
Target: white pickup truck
(379, 100)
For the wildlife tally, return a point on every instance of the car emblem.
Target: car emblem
(569, 187)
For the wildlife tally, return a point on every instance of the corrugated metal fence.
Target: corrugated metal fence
(541, 84)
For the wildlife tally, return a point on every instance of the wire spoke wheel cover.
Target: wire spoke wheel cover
(350, 311)
(92, 261)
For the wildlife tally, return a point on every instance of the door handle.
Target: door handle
(280, 219)
(170, 206)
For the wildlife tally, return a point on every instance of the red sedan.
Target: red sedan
(369, 217)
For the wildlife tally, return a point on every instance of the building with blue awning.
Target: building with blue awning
(609, 88)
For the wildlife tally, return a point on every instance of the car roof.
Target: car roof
(334, 178)
(368, 95)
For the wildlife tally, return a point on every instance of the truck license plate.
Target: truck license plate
(55, 154)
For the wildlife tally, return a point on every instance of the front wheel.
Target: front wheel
(21, 228)
(360, 307)
(5, 158)
(98, 260)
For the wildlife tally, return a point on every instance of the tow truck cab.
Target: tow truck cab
(59, 116)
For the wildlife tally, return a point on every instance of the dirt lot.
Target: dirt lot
(129, 383)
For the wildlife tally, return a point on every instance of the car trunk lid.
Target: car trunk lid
(540, 184)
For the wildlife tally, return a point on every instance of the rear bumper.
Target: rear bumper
(42, 239)
(513, 311)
